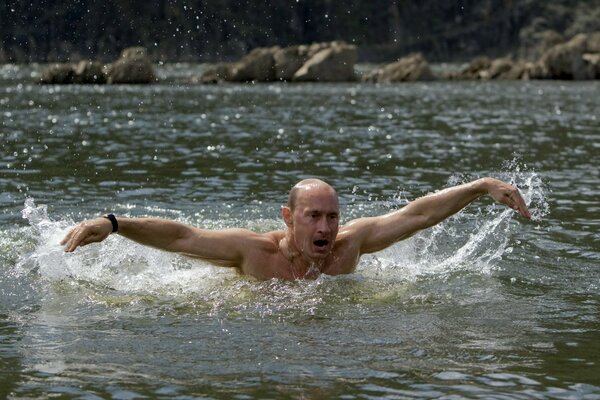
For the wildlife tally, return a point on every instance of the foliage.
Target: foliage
(210, 30)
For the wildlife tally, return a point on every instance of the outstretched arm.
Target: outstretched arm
(222, 247)
(377, 233)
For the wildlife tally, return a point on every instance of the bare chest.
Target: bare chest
(276, 265)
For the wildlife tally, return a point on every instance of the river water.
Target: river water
(485, 305)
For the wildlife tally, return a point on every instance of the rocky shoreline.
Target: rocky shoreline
(575, 59)
(133, 67)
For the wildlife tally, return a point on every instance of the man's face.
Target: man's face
(314, 222)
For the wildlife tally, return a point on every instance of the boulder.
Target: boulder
(483, 68)
(519, 70)
(549, 39)
(504, 69)
(592, 65)
(289, 60)
(474, 69)
(312, 49)
(134, 52)
(132, 67)
(89, 72)
(258, 65)
(498, 68)
(334, 63)
(84, 72)
(567, 61)
(266, 64)
(536, 39)
(60, 74)
(217, 73)
(411, 68)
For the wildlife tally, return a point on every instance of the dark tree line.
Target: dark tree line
(211, 30)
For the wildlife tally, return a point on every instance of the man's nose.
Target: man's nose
(323, 226)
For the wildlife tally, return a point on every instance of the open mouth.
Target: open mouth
(321, 243)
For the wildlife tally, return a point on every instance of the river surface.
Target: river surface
(485, 305)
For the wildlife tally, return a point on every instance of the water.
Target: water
(486, 305)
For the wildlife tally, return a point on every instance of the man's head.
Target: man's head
(312, 218)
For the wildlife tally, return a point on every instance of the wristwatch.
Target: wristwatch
(113, 221)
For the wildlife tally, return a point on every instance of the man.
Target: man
(313, 242)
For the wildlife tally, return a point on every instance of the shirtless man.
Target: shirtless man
(313, 242)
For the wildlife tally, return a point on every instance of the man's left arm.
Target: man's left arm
(377, 233)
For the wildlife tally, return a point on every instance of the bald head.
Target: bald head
(306, 186)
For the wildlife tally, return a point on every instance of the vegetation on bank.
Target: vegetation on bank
(576, 59)
(222, 30)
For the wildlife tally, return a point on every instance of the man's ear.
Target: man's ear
(286, 213)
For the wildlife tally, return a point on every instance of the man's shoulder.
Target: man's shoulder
(266, 241)
(353, 233)
(353, 228)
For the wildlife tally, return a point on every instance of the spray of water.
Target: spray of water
(473, 241)
(116, 264)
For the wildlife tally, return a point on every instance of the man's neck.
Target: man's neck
(301, 266)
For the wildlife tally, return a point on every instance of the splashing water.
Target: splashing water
(115, 264)
(466, 241)
(47, 255)
(469, 241)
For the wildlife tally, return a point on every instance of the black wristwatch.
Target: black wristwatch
(113, 221)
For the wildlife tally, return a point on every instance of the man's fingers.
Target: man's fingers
(67, 237)
(72, 244)
(74, 239)
(519, 204)
(522, 208)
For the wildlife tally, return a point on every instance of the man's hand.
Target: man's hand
(91, 231)
(506, 194)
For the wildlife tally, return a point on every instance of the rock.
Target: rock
(498, 68)
(132, 67)
(549, 39)
(566, 60)
(289, 60)
(518, 70)
(89, 72)
(592, 65)
(216, 74)
(61, 74)
(258, 65)
(134, 52)
(482, 68)
(411, 68)
(85, 72)
(475, 68)
(536, 39)
(334, 63)
(592, 43)
(504, 69)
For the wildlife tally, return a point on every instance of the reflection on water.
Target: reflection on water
(484, 305)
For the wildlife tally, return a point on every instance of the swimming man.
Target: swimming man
(313, 243)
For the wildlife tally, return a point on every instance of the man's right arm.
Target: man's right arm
(222, 247)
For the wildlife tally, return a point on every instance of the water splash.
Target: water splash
(47, 254)
(120, 270)
(116, 264)
(468, 241)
